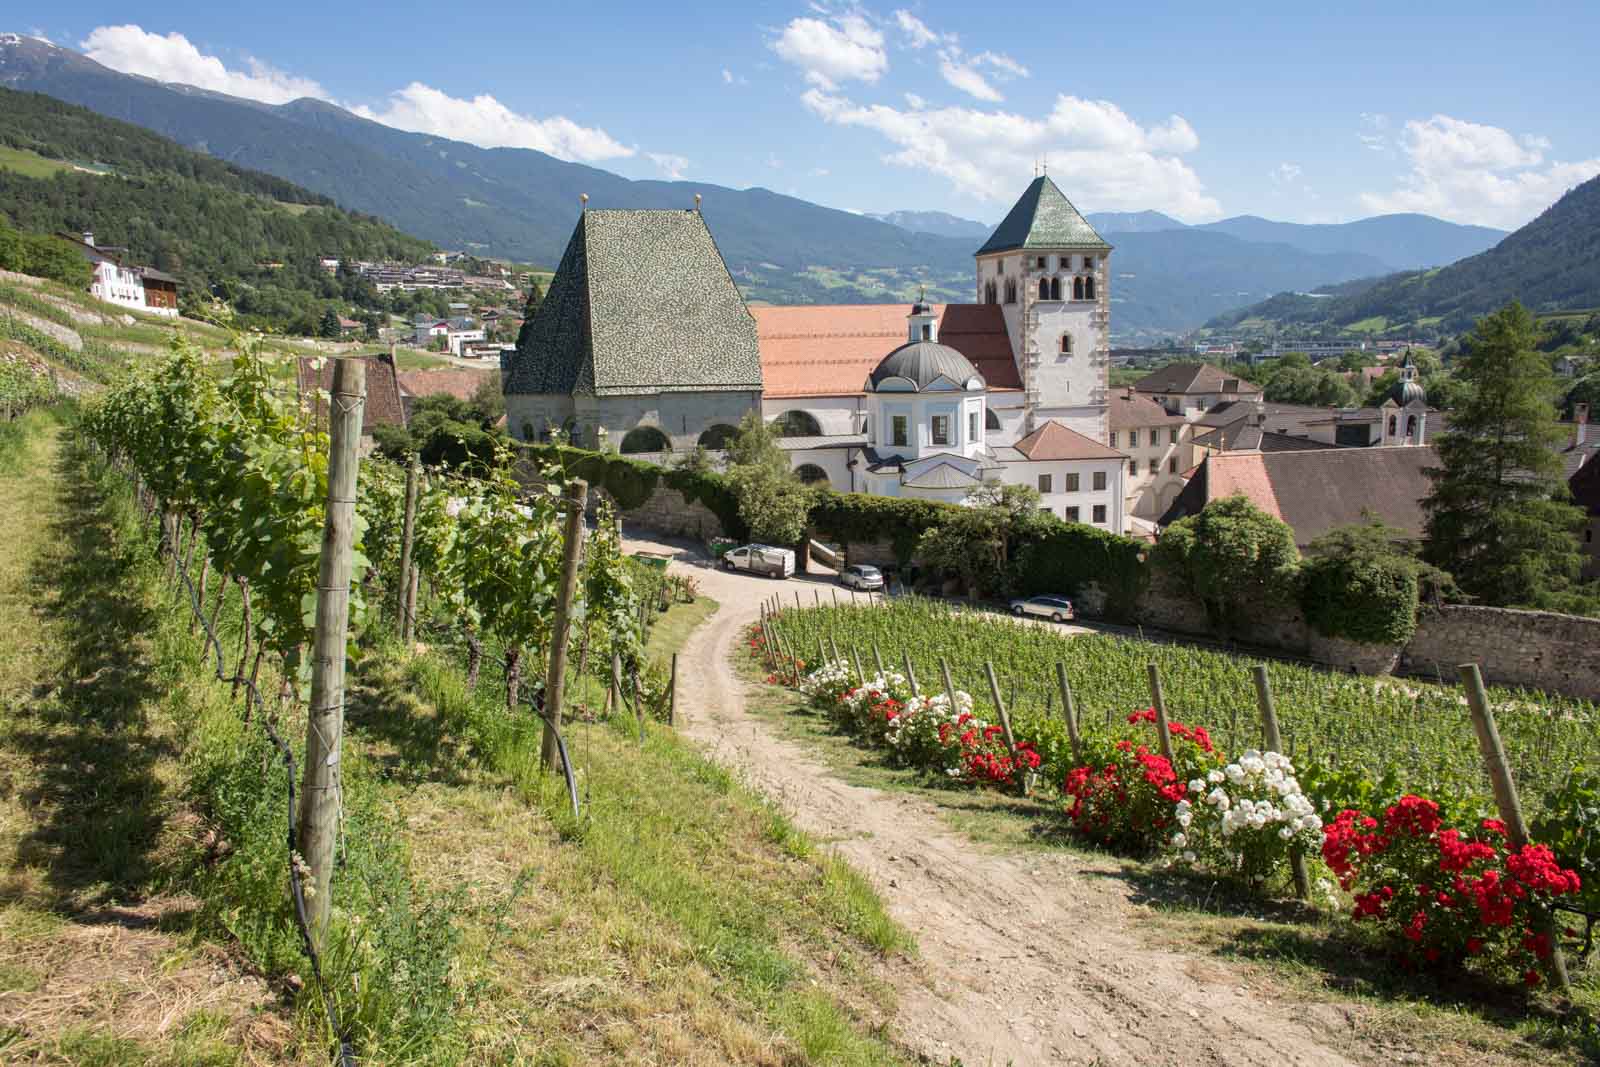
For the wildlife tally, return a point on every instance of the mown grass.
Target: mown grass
(679, 919)
(30, 164)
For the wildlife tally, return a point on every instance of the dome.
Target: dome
(921, 362)
(1408, 392)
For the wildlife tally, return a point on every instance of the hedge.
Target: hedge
(1369, 600)
(1068, 556)
(864, 517)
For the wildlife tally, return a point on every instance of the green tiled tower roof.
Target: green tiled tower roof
(641, 303)
(1043, 218)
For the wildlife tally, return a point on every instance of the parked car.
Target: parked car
(1054, 608)
(861, 576)
(760, 559)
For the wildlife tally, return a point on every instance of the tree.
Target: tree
(975, 542)
(1309, 385)
(1355, 359)
(1362, 583)
(328, 325)
(772, 501)
(1381, 387)
(1496, 516)
(1232, 557)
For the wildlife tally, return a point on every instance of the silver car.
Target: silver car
(860, 576)
(1054, 608)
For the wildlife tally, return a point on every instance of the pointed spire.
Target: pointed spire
(1043, 218)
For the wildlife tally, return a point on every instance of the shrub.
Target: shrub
(1246, 819)
(1126, 795)
(1069, 557)
(1359, 584)
(1231, 557)
(1445, 896)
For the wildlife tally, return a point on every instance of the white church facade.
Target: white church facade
(644, 345)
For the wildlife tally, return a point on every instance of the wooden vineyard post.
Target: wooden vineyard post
(911, 675)
(1506, 800)
(1005, 724)
(408, 528)
(837, 658)
(1159, 699)
(797, 604)
(949, 686)
(1069, 709)
(822, 652)
(616, 684)
(855, 657)
(411, 604)
(877, 657)
(816, 595)
(672, 691)
(638, 704)
(1269, 728)
(555, 679)
(319, 795)
(835, 593)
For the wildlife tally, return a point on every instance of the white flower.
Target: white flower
(1179, 840)
(1214, 777)
(1197, 786)
(1234, 772)
(1188, 857)
(1286, 832)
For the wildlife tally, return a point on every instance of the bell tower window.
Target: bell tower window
(1011, 290)
(1055, 288)
(1077, 288)
(1088, 288)
(1066, 344)
(1044, 288)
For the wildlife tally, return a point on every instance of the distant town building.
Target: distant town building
(117, 282)
(384, 406)
(1190, 389)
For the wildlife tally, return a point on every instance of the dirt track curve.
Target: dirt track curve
(1023, 959)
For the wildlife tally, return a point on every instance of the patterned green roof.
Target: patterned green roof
(641, 303)
(1043, 218)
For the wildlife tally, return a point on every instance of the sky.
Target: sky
(1199, 111)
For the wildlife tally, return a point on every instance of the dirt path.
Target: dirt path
(1024, 959)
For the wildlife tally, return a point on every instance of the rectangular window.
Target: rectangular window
(1133, 438)
(1100, 514)
(941, 429)
(1172, 465)
(1155, 466)
(1172, 436)
(1072, 514)
(1099, 481)
(1133, 468)
(1088, 263)
(1072, 483)
(972, 426)
(1043, 262)
(1044, 483)
(1066, 262)
(898, 433)
(1113, 439)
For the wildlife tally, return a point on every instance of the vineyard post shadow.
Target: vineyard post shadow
(319, 797)
(577, 495)
(1505, 798)
(1274, 742)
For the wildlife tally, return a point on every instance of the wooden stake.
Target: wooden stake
(408, 528)
(1005, 725)
(555, 683)
(616, 683)
(877, 657)
(911, 675)
(410, 634)
(319, 796)
(855, 656)
(1160, 702)
(1269, 729)
(672, 700)
(949, 686)
(1506, 800)
(1069, 710)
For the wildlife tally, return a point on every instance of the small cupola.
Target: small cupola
(922, 323)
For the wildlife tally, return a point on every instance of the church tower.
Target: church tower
(1050, 272)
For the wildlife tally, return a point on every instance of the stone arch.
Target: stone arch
(1055, 288)
(1088, 288)
(1011, 290)
(1066, 344)
(1411, 426)
(646, 439)
(991, 421)
(991, 295)
(1394, 425)
(717, 436)
(811, 474)
(1077, 288)
(1044, 288)
(797, 423)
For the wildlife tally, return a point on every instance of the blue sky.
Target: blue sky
(1459, 111)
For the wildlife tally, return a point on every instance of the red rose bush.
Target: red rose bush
(1444, 895)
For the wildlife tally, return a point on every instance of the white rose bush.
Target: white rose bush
(1247, 818)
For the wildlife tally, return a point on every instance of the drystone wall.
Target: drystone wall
(1538, 649)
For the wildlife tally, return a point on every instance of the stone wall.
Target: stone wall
(1538, 649)
(668, 512)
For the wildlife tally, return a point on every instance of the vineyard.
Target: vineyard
(454, 580)
(1360, 793)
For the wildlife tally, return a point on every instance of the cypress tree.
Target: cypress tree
(1499, 519)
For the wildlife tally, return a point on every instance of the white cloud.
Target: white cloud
(486, 122)
(965, 76)
(917, 34)
(1096, 151)
(1470, 172)
(730, 78)
(672, 166)
(1003, 63)
(843, 48)
(174, 59)
(773, 161)
(817, 172)
(1285, 173)
(915, 102)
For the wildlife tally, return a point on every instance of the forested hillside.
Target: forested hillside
(1551, 264)
(249, 238)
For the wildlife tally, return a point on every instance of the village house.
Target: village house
(643, 344)
(385, 405)
(113, 281)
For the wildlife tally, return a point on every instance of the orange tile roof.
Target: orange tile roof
(1053, 441)
(829, 349)
(1242, 472)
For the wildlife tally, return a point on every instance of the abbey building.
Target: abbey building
(644, 345)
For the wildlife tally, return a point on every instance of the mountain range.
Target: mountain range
(521, 204)
(1550, 264)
